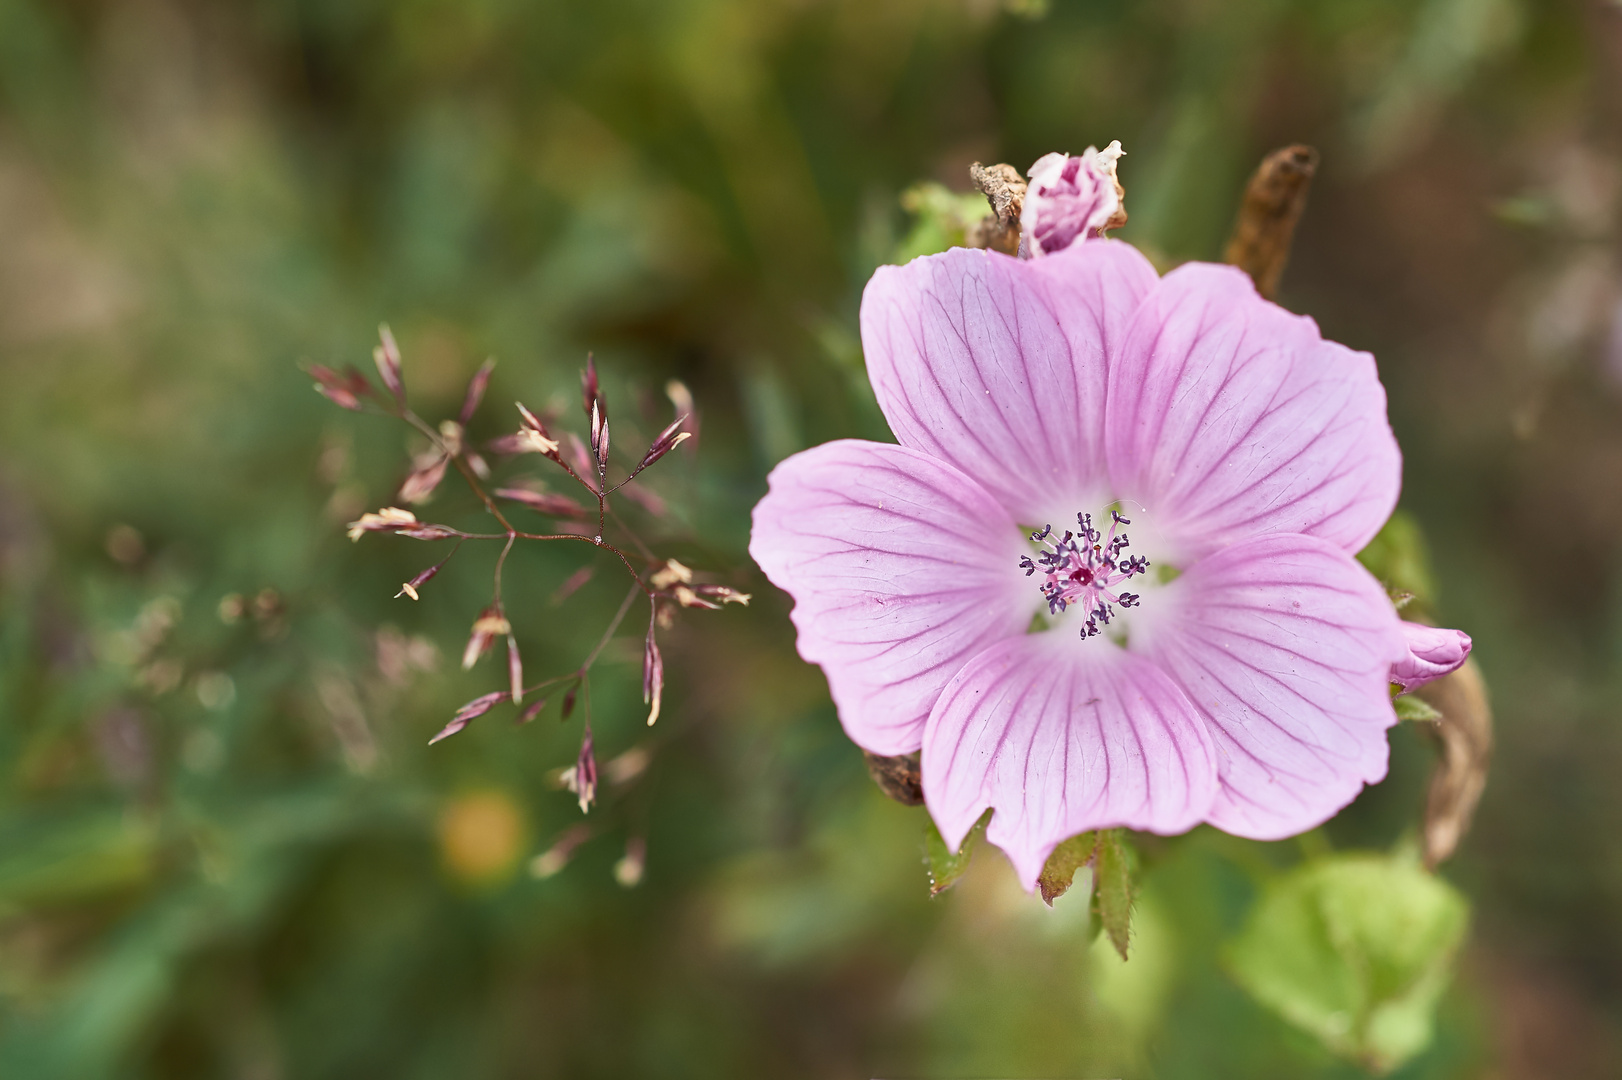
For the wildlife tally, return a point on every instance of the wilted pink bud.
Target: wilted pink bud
(388, 519)
(1070, 199)
(344, 390)
(653, 675)
(670, 438)
(475, 708)
(475, 391)
(486, 628)
(515, 670)
(1432, 653)
(544, 502)
(532, 712)
(582, 778)
(387, 356)
(424, 478)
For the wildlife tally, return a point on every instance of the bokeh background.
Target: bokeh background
(225, 849)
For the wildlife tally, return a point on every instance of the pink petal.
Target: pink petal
(1432, 652)
(1229, 417)
(1284, 644)
(1061, 735)
(901, 568)
(997, 365)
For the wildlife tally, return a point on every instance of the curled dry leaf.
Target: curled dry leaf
(1274, 199)
(898, 777)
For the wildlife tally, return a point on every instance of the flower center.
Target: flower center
(1086, 569)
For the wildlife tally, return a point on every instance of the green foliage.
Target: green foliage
(940, 219)
(1399, 557)
(1355, 949)
(1112, 889)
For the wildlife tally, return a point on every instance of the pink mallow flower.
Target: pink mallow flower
(1106, 578)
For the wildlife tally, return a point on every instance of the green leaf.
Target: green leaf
(1411, 708)
(1355, 949)
(946, 866)
(1060, 870)
(1399, 557)
(941, 219)
(1112, 888)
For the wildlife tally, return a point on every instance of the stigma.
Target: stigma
(1087, 570)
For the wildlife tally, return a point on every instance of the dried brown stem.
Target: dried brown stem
(898, 777)
(1274, 199)
(1465, 740)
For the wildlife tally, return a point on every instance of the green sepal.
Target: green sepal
(946, 866)
(1112, 888)
(1059, 872)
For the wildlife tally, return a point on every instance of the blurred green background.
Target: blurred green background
(225, 849)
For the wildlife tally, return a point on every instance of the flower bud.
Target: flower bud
(1432, 653)
(582, 778)
(475, 391)
(388, 519)
(387, 358)
(429, 471)
(653, 676)
(344, 390)
(543, 502)
(466, 714)
(515, 670)
(486, 628)
(670, 438)
(671, 573)
(1069, 199)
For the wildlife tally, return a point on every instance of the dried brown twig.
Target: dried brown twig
(1274, 199)
(1465, 740)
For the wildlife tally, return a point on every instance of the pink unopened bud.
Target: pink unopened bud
(515, 670)
(670, 438)
(582, 778)
(344, 390)
(532, 712)
(544, 502)
(1432, 653)
(467, 713)
(599, 437)
(653, 675)
(410, 588)
(568, 701)
(486, 628)
(424, 478)
(475, 391)
(1069, 199)
(387, 357)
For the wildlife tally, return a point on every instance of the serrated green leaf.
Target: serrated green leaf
(946, 866)
(1411, 708)
(1356, 950)
(1112, 888)
(1059, 872)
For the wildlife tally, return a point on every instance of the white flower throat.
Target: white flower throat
(1087, 570)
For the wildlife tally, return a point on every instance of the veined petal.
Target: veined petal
(1432, 652)
(1229, 417)
(998, 365)
(1284, 644)
(1058, 736)
(901, 569)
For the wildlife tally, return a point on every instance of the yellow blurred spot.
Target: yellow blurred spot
(481, 836)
